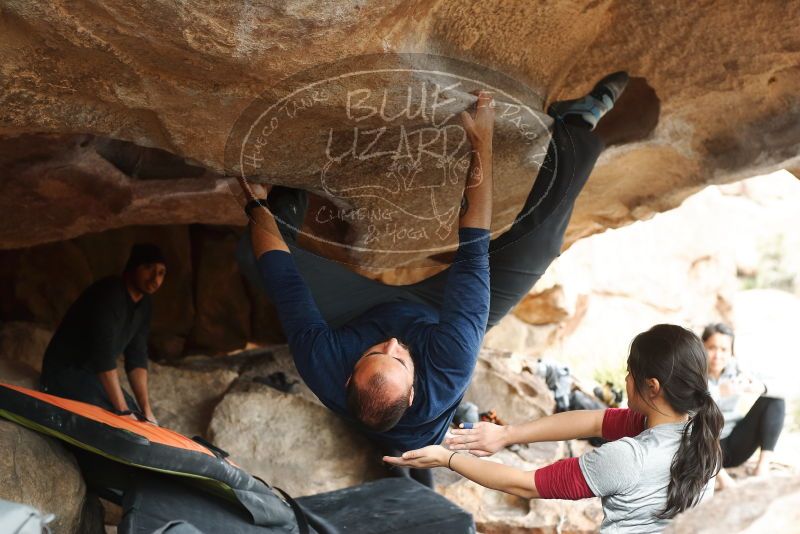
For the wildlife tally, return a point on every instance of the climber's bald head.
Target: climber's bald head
(381, 387)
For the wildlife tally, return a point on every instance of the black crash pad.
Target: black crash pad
(390, 505)
(387, 506)
(153, 500)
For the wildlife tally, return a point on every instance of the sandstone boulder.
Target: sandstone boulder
(290, 441)
(707, 106)
(771, 505)
(19, 374)
(222, 323)
(277, 435)
(499, 513)
(37, 470)
(505, 383)
(184, 399)
(264, 365)
(41, 282)
(88, 184)
(24, 342)
(544, 307)
(512, 334)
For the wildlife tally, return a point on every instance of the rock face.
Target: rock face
(24, 342)
(505, 383)
(278, 435)
(183, 399)
(71, 181)
(687, 266)
(499, 513)
(755, 507)
(544, 307)
(18, 374)
(123, 117)
(223, 318)
(38, 471)
(204, 304)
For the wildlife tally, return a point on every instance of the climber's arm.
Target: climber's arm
(264, 233)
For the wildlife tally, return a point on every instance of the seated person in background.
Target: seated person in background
(111, 317)
(745, 430)
(659, 461)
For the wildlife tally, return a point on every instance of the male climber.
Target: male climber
(398, 359)
(111, 317)
(401, 368)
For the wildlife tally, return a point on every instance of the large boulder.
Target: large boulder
(512, 334)
(24, 342)
(544, 307)
(278, 435)
(500, 513)
(37, 470)
(222, 323)
(770, 505)
(183, 399)
(18, 374)
(291, 442)
(150, 147)
(505, 382)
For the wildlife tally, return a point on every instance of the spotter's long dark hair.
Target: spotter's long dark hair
(677, 359)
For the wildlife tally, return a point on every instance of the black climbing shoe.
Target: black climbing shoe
(591, 108)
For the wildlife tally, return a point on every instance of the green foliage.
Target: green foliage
(613, 372)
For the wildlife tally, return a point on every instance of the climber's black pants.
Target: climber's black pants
(761, 427)
(518, 258)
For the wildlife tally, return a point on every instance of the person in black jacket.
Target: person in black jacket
(111, 317)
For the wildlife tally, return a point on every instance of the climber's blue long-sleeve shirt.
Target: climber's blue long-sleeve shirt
(444, 343)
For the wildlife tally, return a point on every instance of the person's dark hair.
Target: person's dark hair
(718, 328)
(370, 405)
(143, 254)
(677, 359)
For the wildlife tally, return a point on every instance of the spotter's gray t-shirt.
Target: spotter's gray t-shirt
(631, 475)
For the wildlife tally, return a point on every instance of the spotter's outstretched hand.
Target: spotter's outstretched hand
(427, 457)
(480, 439)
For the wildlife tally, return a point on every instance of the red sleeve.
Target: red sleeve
(562, 480)
(622, 423)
